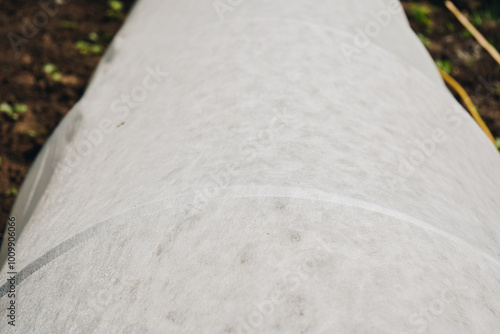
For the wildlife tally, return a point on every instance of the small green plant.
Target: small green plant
(421, 14)
(68, 25)
(92, 45)
(445, 65)
(450, 26)
(35, 133)
(93, 36)
(52, 71)
(497, 142)
(115, 10)
(425, 41)
(476, 19)
(11, 192)
(13, 110)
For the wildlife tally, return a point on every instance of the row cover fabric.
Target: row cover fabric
(286, 166)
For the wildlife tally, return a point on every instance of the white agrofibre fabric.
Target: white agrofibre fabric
(239, 172)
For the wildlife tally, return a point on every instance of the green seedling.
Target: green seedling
(450, 26)
(93, 36)
(421, 14)
(93, 45)
(11, 192)
(5, 107)
(476, 19)
(426, 41)
(68, 25)
(52, 71)
(13, 110)
(83, 47)
(34, 133)
(115, 10)
(445, 65)
(20, 108)
(86, 48)
(96, 49)
(497, 143)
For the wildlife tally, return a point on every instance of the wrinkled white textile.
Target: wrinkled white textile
(261, 167)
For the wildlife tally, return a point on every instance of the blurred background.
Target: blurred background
(49, 50)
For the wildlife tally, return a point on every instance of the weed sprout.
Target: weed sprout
(52, 71)
(421, 15)
(11, 192)
(92, 45)
(13, 110)
(115, 10)
(445, 65)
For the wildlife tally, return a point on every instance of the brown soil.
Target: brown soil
(23, 81)
(474, 68)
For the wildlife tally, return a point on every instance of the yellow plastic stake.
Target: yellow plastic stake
(468, 102)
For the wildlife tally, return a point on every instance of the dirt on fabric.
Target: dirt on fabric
(48, 98)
